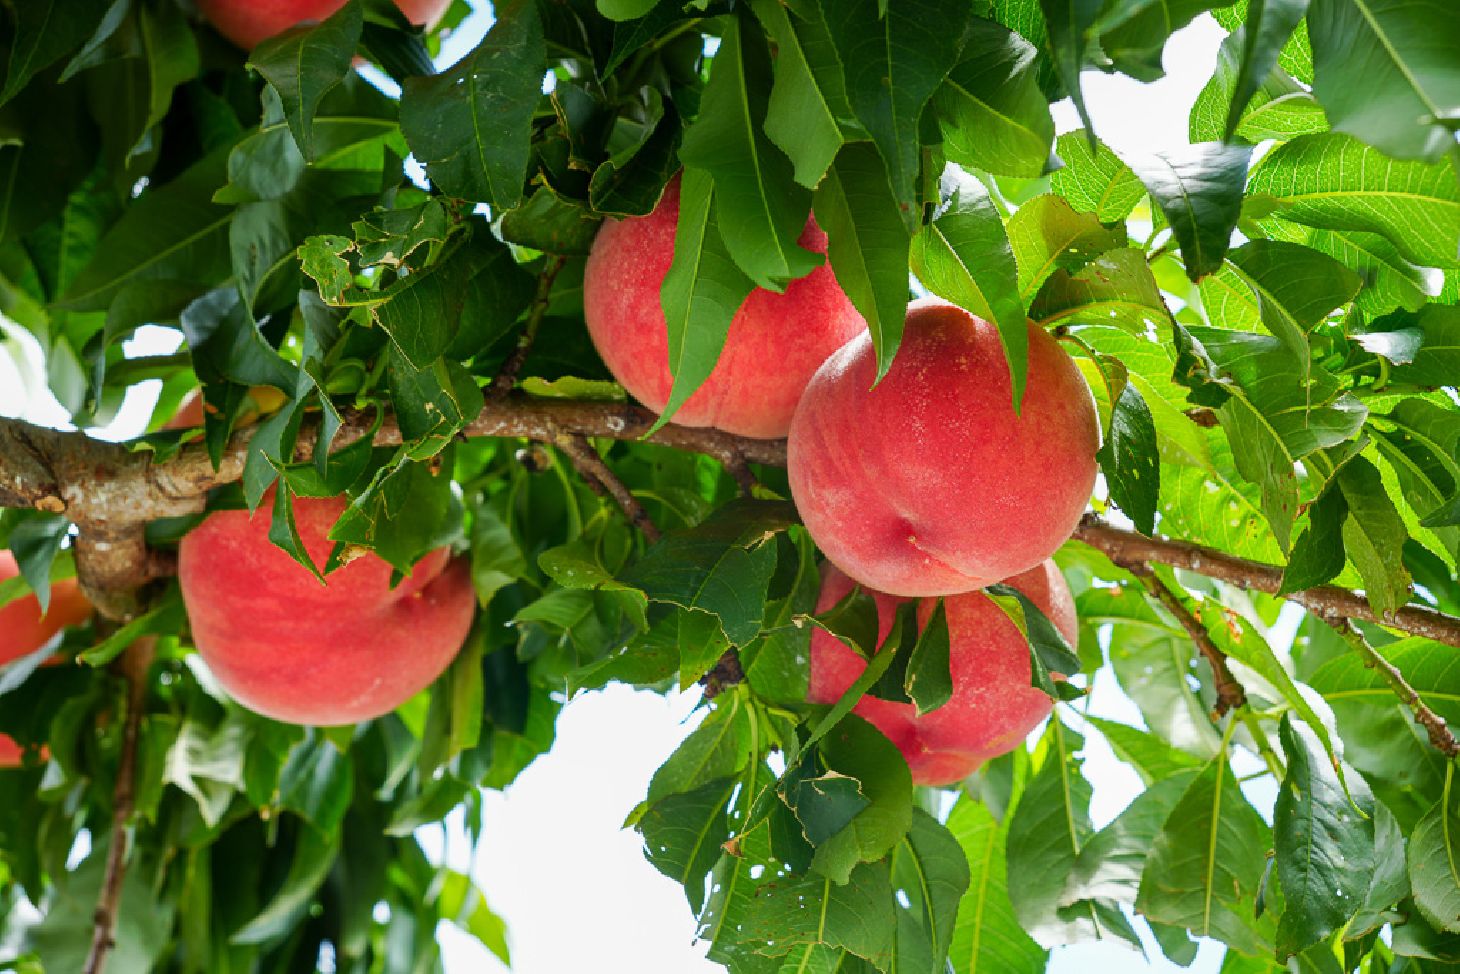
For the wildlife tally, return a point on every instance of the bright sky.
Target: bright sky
(574, 888)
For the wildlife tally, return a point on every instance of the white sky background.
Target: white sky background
(574, 888)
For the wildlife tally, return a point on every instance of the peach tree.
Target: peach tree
(376, 268)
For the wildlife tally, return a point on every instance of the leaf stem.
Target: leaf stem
(1253, 723)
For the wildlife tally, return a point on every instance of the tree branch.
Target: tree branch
(1439, 734)
(1230, 694)
(91, 481)
(1127, 548)
(133, 666)
(590, 466)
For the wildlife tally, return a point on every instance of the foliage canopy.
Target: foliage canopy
(1269, 320)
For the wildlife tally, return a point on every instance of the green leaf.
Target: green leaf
(1389, 281)
(929, 680)
(1269, 25)
(987, 936)
(41, 33)
(172, 232)
(1046, 234)
(718, 748)
(1434, 864)
(701, 293)
(1095, 182)
(1335, 182)
(471, 126)
(1129, 460)
(1318, 555)
(1385, 72)
(1324, 837)
(35, 543)
(895, 56)
(993, 115)
(1292, 289)
(1279, 107)
(1153, 759)
(1205, 865)
(857, 916)
(305, 63)
(1437, 362)
(1372, 533)
(722, 566)
(1117, 288)
(1049, 826)
(1134, 33)
(624, 9)
(1429, 667)
(930, 869)
(1069, 23)
(867, 243)
(1199, 190)
(1049, 652)
(421, 311)
(683, 834)
(760, 210)
(808, 116)
(313, 856)
(464, 905)
(859, 751)
(964, 256)
(1110, 864)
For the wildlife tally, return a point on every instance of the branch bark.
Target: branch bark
(107, 484)
(1230, 694)
(1127, 548)
(133, 666)
(591, 467)
(1439, 734)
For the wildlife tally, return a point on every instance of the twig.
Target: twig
(591, 467)
(1439, 734)
(506, 377)
(133, 665)
(1128, 548)
(1230, 694)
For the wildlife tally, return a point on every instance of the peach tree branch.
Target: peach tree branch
(108, 484)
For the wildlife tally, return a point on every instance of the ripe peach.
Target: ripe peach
(246, 22)
(931, 484)
(23, 629)
(290, 648)
(775, 342)
(11, 753)
(993, 707)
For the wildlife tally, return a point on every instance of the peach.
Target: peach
(23, 628)
(11, 753)
(930, 483)
(246, 22)
(290, 648)
(993, 706)
(774, 345)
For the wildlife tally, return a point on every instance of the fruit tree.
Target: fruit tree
(776, 351)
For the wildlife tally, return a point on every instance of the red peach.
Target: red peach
(930, 483)
(11, 753)
(774, 345)
(290, 648)
(23, 628)
(993, 706)
(261, 401)
(246, 22)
